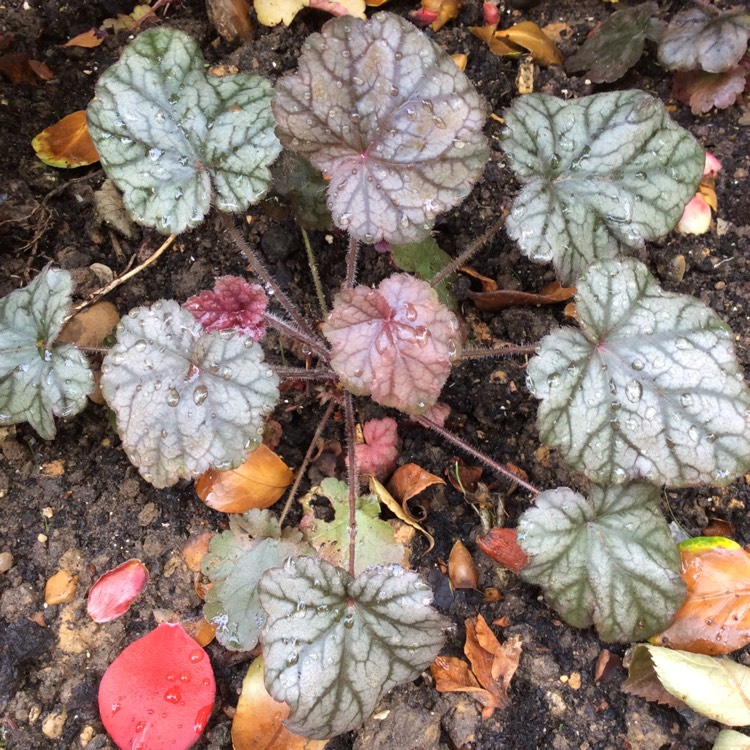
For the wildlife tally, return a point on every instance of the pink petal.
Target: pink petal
(423, 17)
(696, 218)
(491, 13)
(111, 596)
(158, 693)
(713, 165)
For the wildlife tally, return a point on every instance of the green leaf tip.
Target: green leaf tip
(648, 388)
(39, 379)
(607, 560)
(600, 174)
(174, 138)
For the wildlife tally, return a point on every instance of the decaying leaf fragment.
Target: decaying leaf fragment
(230, 18)
(715, 616)
(492, 667)
(520, 39)
(702, 91)
(67, 143)
(274, 12)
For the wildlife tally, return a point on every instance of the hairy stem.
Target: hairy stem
(495, 351)
(313, 343)
(353, 476)
(300, 373)
(351, 263)
(486, 460)
(314, 273)
(260, 270)
(473, 248)
(306, 461)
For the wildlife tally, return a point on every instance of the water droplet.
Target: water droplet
(196, 655)
(140, 345)
(200, 394)
(686, 400)
(637, 364)
(422, 336)
(634, 391)
(693, 433)
(173, 695)
(410, 312)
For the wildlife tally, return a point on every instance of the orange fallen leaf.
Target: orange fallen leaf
(463, 477)
(195, 548)
(230, 18)
(501, 298)
(201, 630)
(439, 12)
(492, 667)
(530, 37)
(88, 39)
(497, 46)
(67, 143)
(17, 68)
(502, 547)
(715, 616)
(258, 483)
(409, 480)
(257, 722)
(462, 572)
(488, 284)
(91, 326)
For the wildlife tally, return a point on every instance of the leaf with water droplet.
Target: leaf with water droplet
(705, 38)
(395, 343)
(387, 115)
(649, 387)
(607, 560)
(600, 174)
(235, 562)
(355, 639)
(40, 379)
(186, 400)
(175, 139)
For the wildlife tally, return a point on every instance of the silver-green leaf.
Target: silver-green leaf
(235, 561)
(334, 645)
(649, 387)
(38, 378)
(600, 174)
(185, 400)
(608, 560)
(173, 138)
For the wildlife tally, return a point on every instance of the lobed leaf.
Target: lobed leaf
(702, 91)
(334, 645)
(705, 38)
(616, 45)
(375, 542)
(186, 400)
(648, 388)
(599, 174)
(395, 343)
(174, 139)
(608, 560)
(388, 117)
(40, 380)
(235, 562)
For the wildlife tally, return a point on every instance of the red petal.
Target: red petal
(111, 596)
(158, 693)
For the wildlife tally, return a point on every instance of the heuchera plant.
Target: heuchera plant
(645, 391)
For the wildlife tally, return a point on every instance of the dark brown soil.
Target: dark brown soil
(76, 503)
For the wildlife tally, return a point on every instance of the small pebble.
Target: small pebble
(52, 726)
(6, 562)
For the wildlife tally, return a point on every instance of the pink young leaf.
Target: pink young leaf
(379, 453)
(158, 693)
(233, 303)
(712, 166)
(111, 596)
(395, 342)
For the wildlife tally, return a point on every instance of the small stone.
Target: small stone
(53, 724)
(87, 734)
(6, 562)
(574, 680)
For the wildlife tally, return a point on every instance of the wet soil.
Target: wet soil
(77, 504)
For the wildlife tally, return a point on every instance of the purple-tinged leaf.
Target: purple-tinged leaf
(705, 38)
(387, 115)
(617, 44)
(701, 91)
(395, 342)
(233, 303)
